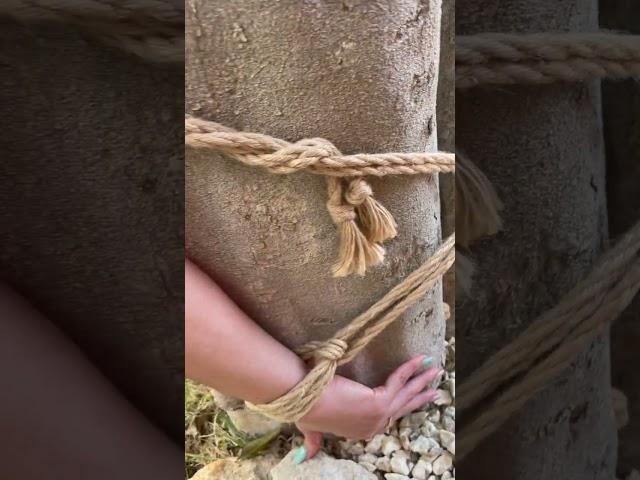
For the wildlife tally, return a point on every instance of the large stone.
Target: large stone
(252, 423)
(321, 467)
(236, 469)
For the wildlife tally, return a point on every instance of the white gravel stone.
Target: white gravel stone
(389, 445)
(367, 458)
(375, 444)
(399, 465)
(429, 429)
(434, 416)
(413, 420)
(449, 424)
(424, 445)
(383, 464)
(446, 438)
(421, 470)
(450, 412)
(395, 476)
(443, 463)
(444, 397)
(369, 466)
(446, 475)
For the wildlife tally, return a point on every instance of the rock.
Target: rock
(225, 402)
(405, 438)
(369, 466)
(375, 444)
(434, 416)
(395, 476)
(446, 475)
(400, 465)
(235, 469)
(252, 423)
(432, 477)
(383, 464)
(429, 429)
(443, 463)
(450, 412)
(444, 398)
(352, 448)
(389, 445)
(413, 420)
(449, 424)
(321, 467)
(367, 458)
(446, 438)
(421, 470)
(431, 456)
(423, 445)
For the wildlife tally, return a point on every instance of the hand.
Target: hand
(355, 411)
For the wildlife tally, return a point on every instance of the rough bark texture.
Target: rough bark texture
(91, 204)
(362, 75)
(542, 148)
(622, 134)
(446, 114)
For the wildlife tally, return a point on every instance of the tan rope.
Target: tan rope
(362, 222)
(549, 345)
(347, 343)
(151, 29)
(508, 59)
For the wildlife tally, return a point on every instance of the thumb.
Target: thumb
(312, 444)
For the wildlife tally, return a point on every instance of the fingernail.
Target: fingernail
(300, 455)
(427, 362)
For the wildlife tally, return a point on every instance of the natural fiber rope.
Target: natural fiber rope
(549, 345)
(508, 59)
(362, 222)
(151, 29)
(345, 345)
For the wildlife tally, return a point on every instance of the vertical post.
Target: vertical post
(361, 75)
(542, 148)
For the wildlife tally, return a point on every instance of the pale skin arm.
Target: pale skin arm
(225, 349)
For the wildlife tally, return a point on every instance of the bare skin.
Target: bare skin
(60, 418)
(225, 349)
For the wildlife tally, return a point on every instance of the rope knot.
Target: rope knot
(332, 350)
(358, 192)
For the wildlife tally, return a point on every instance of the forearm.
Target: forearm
(226, 350)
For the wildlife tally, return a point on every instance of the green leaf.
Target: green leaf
(258, 445)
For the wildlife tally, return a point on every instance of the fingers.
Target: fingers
(312, 444)
(401, 375)
(416, 402)
(414, 387)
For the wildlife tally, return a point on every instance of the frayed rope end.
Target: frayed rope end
(356, 252)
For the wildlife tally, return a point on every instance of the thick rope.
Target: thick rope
(347, 343)
(551, 343)
(362, 222)
(150, 29)
(509, 59)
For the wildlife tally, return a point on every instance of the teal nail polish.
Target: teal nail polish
(427, 362)
(299, 456)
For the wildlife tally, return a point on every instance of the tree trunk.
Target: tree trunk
(91, 200)
(361, 75)
(621, 102)
(542, 148)
(446, 113)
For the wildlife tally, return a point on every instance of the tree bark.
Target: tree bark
(542, 148)
(361, 75)
(91, 203)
